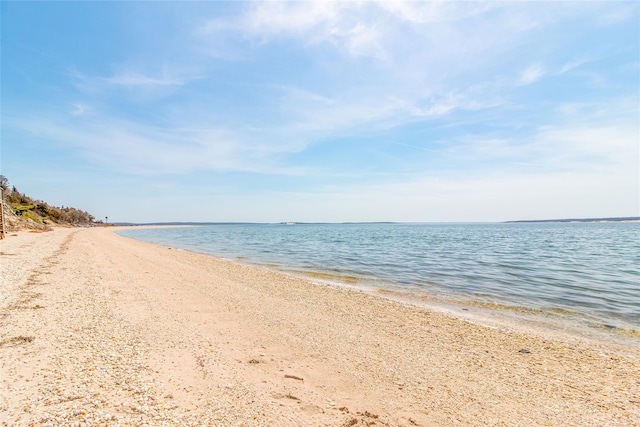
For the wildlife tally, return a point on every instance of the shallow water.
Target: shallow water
(584, 271)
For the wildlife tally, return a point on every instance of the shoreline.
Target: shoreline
(102, 328)
(508, 318)
(563, 325)
(545, 324)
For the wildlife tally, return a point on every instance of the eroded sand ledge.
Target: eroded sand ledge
(105, 330)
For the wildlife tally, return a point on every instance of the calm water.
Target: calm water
(588, 271)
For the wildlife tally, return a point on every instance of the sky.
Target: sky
(323, 111)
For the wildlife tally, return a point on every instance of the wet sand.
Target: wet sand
(104, 330)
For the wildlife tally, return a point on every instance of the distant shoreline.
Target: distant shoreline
(617, 219)
(520, 221)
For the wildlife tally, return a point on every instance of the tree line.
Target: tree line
(39, 211)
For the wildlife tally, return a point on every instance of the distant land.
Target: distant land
(238, 223)
(618, 219)
(130, 224)
(196, 223)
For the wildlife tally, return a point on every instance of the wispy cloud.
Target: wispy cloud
(130, 146)
(311, 22)
(435, 11)
(138, 83)
(80, 109)
(137, 79)
(574, 63)
(450, 71)
(532, 74)
(137, 148)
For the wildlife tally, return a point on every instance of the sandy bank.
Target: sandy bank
(102, 329)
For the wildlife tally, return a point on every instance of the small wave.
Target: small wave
(331, 277)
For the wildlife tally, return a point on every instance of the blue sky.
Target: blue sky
(324, 111)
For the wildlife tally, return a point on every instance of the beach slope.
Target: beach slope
(105, 330)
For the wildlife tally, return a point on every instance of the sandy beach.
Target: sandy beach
(99, 329)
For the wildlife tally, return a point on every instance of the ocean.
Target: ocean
(587, 274)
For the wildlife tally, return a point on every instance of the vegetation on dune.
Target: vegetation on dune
(40, 213)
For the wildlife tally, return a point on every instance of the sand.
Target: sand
(99, 329)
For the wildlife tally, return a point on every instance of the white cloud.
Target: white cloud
(312, 117)
(572, 147)
(347, 26)
(80, 109)
(127, 145)
(135, 148)
(434, 11)
(574, 63)
(532, 74)
(137, 83)
(275, 17)
(131, 78)
(426, 51)
(364, 40)
(315, 21)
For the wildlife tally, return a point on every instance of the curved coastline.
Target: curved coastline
(565, 322)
